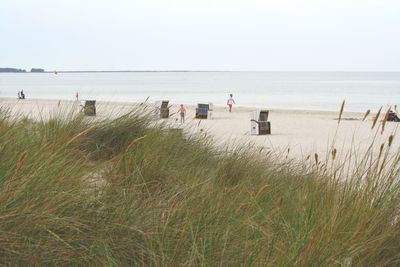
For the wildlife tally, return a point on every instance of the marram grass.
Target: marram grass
(126, 192)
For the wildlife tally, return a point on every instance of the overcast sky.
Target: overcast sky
(358, 35)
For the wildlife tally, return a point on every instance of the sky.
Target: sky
(232, 35)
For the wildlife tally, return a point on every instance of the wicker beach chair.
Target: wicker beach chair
(89, 107)
(204, 111)
(259, 123)
(164, 110)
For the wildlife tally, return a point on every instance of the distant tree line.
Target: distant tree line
(20, 70)
(11, 70)
(37, 70)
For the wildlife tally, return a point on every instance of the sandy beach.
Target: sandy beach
(297, 134)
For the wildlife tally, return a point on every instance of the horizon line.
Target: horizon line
(121, 71)
(80, 71)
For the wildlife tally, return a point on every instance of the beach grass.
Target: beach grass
(130, 192)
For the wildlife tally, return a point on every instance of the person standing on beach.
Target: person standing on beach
(230, 102)
(77, 96)
(182, 112)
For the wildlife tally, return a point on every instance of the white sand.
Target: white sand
(304, 132)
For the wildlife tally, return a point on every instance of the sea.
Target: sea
(269, 89)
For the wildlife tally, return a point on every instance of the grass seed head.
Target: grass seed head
(376, 118)
(385, 120)
(381, 148)
(334, 151)
(391, 139)
(366, 115)
(316, 158)
(341, 111)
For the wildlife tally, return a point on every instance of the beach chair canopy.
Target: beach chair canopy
(89, 103)
(263, 115)
(203, 106)
(164, 104)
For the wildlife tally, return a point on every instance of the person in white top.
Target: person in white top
(230, 102)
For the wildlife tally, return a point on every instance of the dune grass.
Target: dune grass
(126, 192)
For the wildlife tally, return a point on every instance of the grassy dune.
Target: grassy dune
(124, 192)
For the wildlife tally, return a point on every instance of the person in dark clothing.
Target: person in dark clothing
(393, 116)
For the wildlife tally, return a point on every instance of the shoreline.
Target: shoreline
(237, 107)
